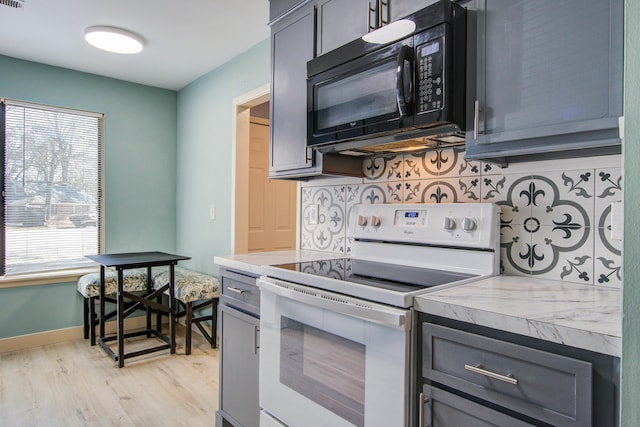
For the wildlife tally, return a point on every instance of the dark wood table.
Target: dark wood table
(124, 261)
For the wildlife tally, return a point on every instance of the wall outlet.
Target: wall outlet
(314, 214)
(212, 212)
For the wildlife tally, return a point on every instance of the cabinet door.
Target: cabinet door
(239, 367)
(439, 408)
(549, 77)
(400, 8)
(342, 21)
(292, 41)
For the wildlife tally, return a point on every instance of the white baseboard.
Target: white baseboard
(22, 342)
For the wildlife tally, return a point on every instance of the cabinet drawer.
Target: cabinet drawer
(443, 409)
(545, 386)
(240, 291)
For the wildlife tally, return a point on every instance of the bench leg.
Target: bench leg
(188, 321)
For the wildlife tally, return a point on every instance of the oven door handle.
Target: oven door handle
(378, 313)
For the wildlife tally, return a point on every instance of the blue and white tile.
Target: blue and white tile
(558, 255)
(514, 245)
(329, 233)
(458, 166)
(608, 253)
(608, 189)
(510, 191)
(563, 198)
(383, 168)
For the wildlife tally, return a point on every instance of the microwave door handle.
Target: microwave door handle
(400, 79)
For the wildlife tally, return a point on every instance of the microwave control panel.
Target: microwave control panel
(430, 64)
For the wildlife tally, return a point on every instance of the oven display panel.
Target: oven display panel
(410, 218)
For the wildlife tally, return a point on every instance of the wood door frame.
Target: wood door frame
(240, 169)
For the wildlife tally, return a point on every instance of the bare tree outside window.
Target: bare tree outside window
(51, 183)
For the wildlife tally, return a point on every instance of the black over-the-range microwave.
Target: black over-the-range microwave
(366, 98)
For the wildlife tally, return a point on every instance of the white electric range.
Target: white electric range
(335, 335)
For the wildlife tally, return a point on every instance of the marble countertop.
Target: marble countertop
(254, 262)
(582, 316)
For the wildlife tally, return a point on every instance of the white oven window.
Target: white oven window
(325, 368)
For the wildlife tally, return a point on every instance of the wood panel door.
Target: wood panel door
(272, 203)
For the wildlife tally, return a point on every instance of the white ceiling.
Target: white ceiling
(185, 39)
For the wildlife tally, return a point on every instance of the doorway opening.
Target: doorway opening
(265, 211)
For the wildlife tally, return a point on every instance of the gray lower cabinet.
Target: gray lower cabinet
(239, 320)
(442, 409)
(547, 78)
(541, 385)
(477, 376)
(239, 368)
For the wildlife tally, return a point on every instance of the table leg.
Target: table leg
(102, 301)
(120, 314)
(172, 309)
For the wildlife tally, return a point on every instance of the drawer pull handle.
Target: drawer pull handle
(509, 378)
(236, 290)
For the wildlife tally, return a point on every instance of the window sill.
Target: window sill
(44, 278)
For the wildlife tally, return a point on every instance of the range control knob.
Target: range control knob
(469, 224)
(362, 220)
(449, 223)
(375, 221)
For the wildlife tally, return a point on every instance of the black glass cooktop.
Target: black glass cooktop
(393, 277)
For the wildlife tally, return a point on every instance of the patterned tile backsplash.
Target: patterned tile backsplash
(555, 220)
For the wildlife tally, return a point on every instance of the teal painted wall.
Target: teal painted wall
(631, 251)
(205, 154)
(140, 192)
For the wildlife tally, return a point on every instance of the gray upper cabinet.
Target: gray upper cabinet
(548, 78)
(292, 42)
(341, 21)
(292, 45)
(400, 8)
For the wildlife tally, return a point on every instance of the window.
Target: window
(52, 187)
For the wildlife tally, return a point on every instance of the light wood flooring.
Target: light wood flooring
(74, 384)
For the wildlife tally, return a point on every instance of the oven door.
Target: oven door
(331, 360)
(365, 96)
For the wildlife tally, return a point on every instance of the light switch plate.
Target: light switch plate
(212, 212)
(314, 214)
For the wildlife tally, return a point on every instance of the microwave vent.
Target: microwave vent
(420, 140)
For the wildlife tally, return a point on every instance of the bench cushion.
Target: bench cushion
(189, 285)
(134, 280)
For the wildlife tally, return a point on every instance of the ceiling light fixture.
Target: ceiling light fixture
(113, 39)
(392, 32)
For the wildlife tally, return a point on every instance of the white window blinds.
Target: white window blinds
(51, 187)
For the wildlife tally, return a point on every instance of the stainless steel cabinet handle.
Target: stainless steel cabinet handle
(509, 378)
(236, 290)
(476, 119)
(369, 10)
(256, 346)
(423, 400)
(383, 4)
